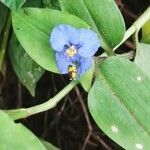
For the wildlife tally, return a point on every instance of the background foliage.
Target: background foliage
(114, 101)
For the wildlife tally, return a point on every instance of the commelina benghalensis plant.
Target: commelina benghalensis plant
(64, 40)
(74, 49)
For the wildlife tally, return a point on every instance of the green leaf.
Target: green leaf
(26, 69)
(3, 16)
(33, 27)
(53, 4)
(34, 3)
(119, 103)
(13, 4)
(86, 79)
(142, 58)
(16, 136)
(102, 15)
(146, 33)
(49, 146)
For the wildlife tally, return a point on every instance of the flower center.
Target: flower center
(72, 71)
(71, 51)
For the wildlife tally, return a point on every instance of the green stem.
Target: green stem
(136, 26)
(5, 40)
(108, 50)
(26, 112)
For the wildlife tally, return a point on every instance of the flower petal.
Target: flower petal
(63, 35)
(85, 64)
(62, 63)
(89, 42)
(72, 34)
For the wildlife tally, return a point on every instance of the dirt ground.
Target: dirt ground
(69, 126)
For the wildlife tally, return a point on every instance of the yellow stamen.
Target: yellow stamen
(72, 68)
(71, 51)
(73, 75)
(72, 71)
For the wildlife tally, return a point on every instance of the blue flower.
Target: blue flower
(74, 49)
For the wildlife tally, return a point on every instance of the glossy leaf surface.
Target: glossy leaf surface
(119, 103)
(14, 136)
(142, 58)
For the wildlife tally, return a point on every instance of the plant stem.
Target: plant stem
(26, 112)
(136, 26)
(108, 50)
(5, 40)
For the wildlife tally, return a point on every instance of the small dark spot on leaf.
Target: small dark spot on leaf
(25, 11)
